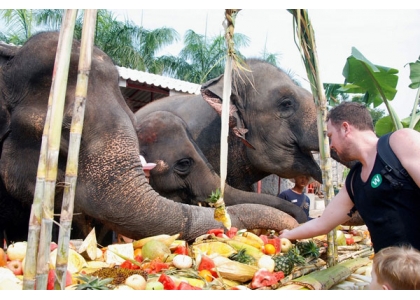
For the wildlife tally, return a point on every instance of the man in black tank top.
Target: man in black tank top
(391, 214)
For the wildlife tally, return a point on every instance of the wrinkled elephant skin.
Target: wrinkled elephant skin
(111, 185)
(183, 173)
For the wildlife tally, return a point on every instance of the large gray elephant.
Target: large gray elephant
(183, 173)
(111, 184)
(274, 118)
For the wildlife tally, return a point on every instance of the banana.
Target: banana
(254, 237)
(247, 241)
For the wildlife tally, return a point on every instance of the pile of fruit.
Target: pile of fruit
(218, 260)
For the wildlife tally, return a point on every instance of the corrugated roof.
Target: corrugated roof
(160, 81)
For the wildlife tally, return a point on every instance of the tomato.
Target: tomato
(216, 231)
(186, 286)
(269, 249)
(206, 274)
(207, 264)
(127, 265)
(181, 250)
(168, 283)
(232, 232)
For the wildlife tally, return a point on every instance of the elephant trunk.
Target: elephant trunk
(234, 196)
(131, 207)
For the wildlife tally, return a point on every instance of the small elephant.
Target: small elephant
(111, 185)
(182, 172)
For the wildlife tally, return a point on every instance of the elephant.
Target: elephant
(274, 118)
(182, 173)
(111, 185)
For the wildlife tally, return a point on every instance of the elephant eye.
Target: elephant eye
(183, 166)
(287, 107)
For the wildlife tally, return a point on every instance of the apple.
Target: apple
(3, 258)
(136, 281)
(154, 285)
(286, 245)
(17, 251)
(15, 266)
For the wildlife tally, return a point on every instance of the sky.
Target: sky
(388, 35)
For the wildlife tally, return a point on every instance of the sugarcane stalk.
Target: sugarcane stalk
(326, 278)
(61, 68)
(66, 216)
(307, 48)
(220, 209)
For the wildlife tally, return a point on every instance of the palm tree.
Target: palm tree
(127, 44)
(201, 58)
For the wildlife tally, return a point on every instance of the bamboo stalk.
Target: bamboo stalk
(66, 216)
(306, 36)
(326, 278)
(61, 68)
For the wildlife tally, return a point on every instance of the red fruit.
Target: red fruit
(216, 231)
(207, 264)
(349, 241)
(168, 283)
(273, 240)
(186, 286)
(127, 265)
(15, 266)
(232, 232)
(264, 278)
(181, 250)
(51, 279)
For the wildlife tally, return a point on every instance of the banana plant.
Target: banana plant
(378, 84)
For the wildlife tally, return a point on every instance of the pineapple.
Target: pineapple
(308, 249)
(93, 283)
(283, 263)
(242, 257)
(286, 262)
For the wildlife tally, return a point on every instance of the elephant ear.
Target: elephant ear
(212, 93)
(7, 52)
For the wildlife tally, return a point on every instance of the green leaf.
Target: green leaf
(377, 81)
(384, 126)
(415, 74)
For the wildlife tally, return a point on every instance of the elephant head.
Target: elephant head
(275, 119)
(182, 172)
(111, 184)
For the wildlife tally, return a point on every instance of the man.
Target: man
(392, 216)
(296, 194)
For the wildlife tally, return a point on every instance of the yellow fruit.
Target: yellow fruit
(209, 248)
(206, 275)
(269, 249)
(155, 249)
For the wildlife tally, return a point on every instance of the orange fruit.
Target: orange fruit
(206, 275)
(269, 249)
(137, 252)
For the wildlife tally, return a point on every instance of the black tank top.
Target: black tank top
(392, 216)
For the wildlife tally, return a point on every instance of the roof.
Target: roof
(159, 81)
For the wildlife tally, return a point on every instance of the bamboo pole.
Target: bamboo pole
(61, 67)
(326, 278)
(307, 48)
(66, 216)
